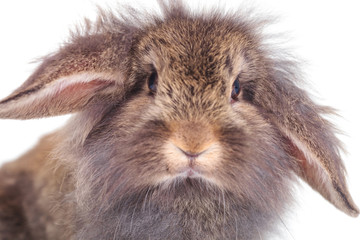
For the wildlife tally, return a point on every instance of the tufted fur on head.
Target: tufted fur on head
(187, 126)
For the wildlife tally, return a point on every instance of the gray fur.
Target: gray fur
(113, 171)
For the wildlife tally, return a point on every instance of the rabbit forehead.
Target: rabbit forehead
(195, 48)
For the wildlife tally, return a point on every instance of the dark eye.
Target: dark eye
(152, 81)
(236, 89)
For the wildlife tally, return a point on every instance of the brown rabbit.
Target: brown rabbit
(187, 126)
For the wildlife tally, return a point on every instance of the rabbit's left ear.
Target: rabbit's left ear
(87, 71)
(310, 139)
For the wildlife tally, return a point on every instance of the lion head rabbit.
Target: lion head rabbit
(186, 126)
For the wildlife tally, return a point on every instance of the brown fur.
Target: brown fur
(118, 169)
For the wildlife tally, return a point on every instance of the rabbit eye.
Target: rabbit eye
(152, 81)
(236, 89)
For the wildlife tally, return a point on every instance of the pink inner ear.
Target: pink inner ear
(77, 92)
(298, 154)
(82, 88)
(68, 99)
(303, 168)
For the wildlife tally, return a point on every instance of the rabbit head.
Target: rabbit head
(188, 126)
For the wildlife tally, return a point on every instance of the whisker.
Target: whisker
(260, 237)
(145, 199)
(236, 229)
(218, 210)
(132, 216)
(286, 228)
(117, 229)
(223, 197)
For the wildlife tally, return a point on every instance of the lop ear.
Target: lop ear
(309, 138)
(86, 71)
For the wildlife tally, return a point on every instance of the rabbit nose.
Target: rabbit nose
(192, 138)
(191, 155)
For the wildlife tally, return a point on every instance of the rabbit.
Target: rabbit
(185, 126)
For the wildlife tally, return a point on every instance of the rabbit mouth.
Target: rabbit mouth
(190, 172)
(196, 164)
(195, 173)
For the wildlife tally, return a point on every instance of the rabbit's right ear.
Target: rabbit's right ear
(87, 71)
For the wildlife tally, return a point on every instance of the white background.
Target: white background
(326, 34)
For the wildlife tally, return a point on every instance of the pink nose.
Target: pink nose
(192, 138)
(191, 155)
